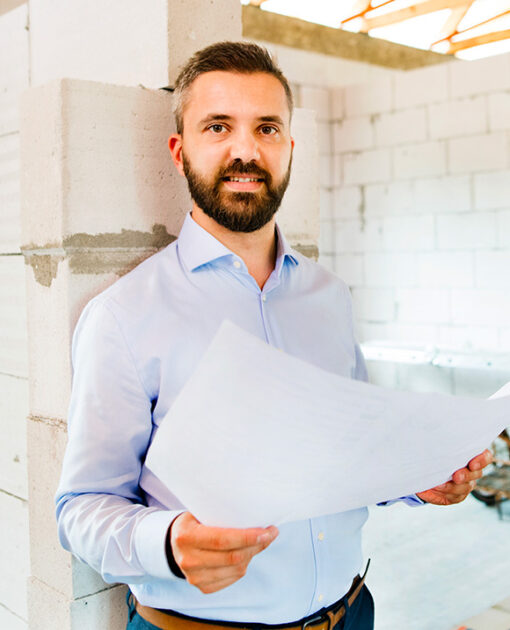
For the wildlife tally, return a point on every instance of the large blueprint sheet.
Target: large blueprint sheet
(257, 437)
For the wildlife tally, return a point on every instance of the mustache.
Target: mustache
(239, 168)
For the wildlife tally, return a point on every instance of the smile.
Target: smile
(243, 179)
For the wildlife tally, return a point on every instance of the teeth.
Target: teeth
(243, 179)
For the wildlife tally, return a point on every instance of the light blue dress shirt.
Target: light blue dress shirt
(134, 347)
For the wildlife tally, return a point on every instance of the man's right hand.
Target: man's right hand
(212, 558)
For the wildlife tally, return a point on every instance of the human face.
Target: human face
(236, 149)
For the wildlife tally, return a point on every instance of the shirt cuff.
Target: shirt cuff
(150, 543)
(412, 500)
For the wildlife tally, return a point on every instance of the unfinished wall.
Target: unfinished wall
(420, 217)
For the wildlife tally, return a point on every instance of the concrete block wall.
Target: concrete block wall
(418, 209)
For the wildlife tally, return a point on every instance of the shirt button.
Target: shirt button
(264, 297)
(237, 264)
(320, 598)
(321, 536)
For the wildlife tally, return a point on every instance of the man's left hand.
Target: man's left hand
(463, 481)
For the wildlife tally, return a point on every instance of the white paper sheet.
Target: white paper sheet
(257, 437)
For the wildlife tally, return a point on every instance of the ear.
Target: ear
(175, 146)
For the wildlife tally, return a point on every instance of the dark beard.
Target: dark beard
(237, 211)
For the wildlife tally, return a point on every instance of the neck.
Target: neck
(257, 249)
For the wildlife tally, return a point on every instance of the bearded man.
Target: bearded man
(138, 342)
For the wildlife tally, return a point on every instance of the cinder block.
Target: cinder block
(423, 306)
(440, 195)
(427, 159)
(422, 86)
(350, 268)
(479, 76)
(316, 98)
(473, 230)
(503, 228)
(492, 190)
(390, 270)
(347, 202)
(353, 134)
(133, 43)
(403, 127)
(326, 171)
(374, 305)
(327, 261)
(337, 95)
(14, 557)
(299, 212)
(13, 449)
(468, 338)
(480, 307)
(367, 167)
(13, 319)
(11, 621)
(487, 152)
(462, 117)
(47, 608)
(327, 237)
(94, 157)
(406, 233)
(499, 111)
(353, 236)
(325, 138)
(337, 170)
(10, 219)
(393, 198)
(492, 270)
(373, 97)
(446, 269)
(14, 68)
(326, 203)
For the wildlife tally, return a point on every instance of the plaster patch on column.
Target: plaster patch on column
(310, 251)
(158, 238)
(101, 261)
(57, 423)
(44, 266)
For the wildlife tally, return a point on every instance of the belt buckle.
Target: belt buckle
(315, 620)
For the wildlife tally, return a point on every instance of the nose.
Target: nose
(244, 146)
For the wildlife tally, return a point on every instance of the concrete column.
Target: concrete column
(99, 194)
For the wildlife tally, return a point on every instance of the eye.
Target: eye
(217, 128)
(268, 130)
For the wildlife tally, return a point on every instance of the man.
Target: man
(138, 342)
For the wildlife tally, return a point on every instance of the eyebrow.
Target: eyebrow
(216, 117)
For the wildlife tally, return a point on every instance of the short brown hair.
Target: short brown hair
(242, 57)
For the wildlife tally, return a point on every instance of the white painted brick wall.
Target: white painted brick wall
(403, 233)
(421, 86)
(370, 98)
(347, 202)
(443, 194)
(350, 268)
(499, 111)
(492, 190)
(367, 167)
(394, 198)
(472, 230)
(13, 448)
(14, 558)
(325, 138)
(446, 269)
(461, 117)
(480, 307)
(11, 621)
(503, 228)
(423, 306)
(390, 270)
(478, 153)
(403, 127)
(353, 134)
(480, 76)
(353, 237)
(10, 220)
(337, 103)
(466, 338)
(13, 321)
(420, 160)
(375, 305)
(493, 270)
(316, 98)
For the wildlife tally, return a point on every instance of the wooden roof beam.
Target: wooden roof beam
(422, 8)
(454, 19)
(488, 38)
(492, 19)
(361, 8)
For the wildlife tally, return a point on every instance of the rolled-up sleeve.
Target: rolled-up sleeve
(101, 516)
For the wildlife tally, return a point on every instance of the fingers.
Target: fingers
(481, 461)
(212, 558)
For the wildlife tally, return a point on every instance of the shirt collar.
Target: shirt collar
(198, 247)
